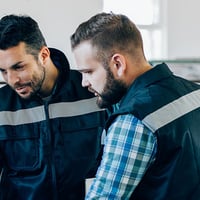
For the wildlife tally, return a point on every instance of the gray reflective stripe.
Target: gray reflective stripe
(23, 116)
(68, 109)
(172, 111)
(36, 114)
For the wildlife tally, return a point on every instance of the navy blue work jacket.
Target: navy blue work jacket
(170, 107)
(48, 148)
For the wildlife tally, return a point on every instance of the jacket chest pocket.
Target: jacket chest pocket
(82, 135)
(20, 145)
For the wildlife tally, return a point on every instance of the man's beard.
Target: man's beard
(35, 84)
(112, 93)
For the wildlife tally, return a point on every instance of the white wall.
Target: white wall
(183, 28)
(57, 18)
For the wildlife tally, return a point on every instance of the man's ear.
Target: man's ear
(44, 55)
(118, 63)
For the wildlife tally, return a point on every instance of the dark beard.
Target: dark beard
(112, 93)
(36, 84)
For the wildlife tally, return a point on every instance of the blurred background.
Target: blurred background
(170, 28)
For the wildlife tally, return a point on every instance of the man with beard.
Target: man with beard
(152, 146)
(50, 127)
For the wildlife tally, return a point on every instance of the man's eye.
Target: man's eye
(18, 67)
(2, 71)
(88, 72)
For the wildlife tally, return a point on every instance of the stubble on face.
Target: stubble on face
(112, 93)
(34, 85)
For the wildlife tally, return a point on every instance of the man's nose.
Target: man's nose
(85, 82)
(12, 77)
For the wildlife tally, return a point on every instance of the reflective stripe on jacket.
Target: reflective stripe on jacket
(48, 148)
(170, 107)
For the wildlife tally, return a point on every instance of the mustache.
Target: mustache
(91, 90)
(19, 85)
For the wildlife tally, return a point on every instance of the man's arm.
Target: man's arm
(129, 150)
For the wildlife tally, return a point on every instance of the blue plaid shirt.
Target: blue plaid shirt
(130, 148)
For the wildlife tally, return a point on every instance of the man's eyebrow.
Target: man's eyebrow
(83, 70)
(12, 66)
(16, 64)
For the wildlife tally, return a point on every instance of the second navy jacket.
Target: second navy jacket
(48, 148)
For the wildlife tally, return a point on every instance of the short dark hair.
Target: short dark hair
(20, 28)
(108, 33)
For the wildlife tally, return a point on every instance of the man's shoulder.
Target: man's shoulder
(74, 74)
(73, 87)
(7, 94)
(6, 89)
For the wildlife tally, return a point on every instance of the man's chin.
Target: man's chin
(24, 96)
(102, 103)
